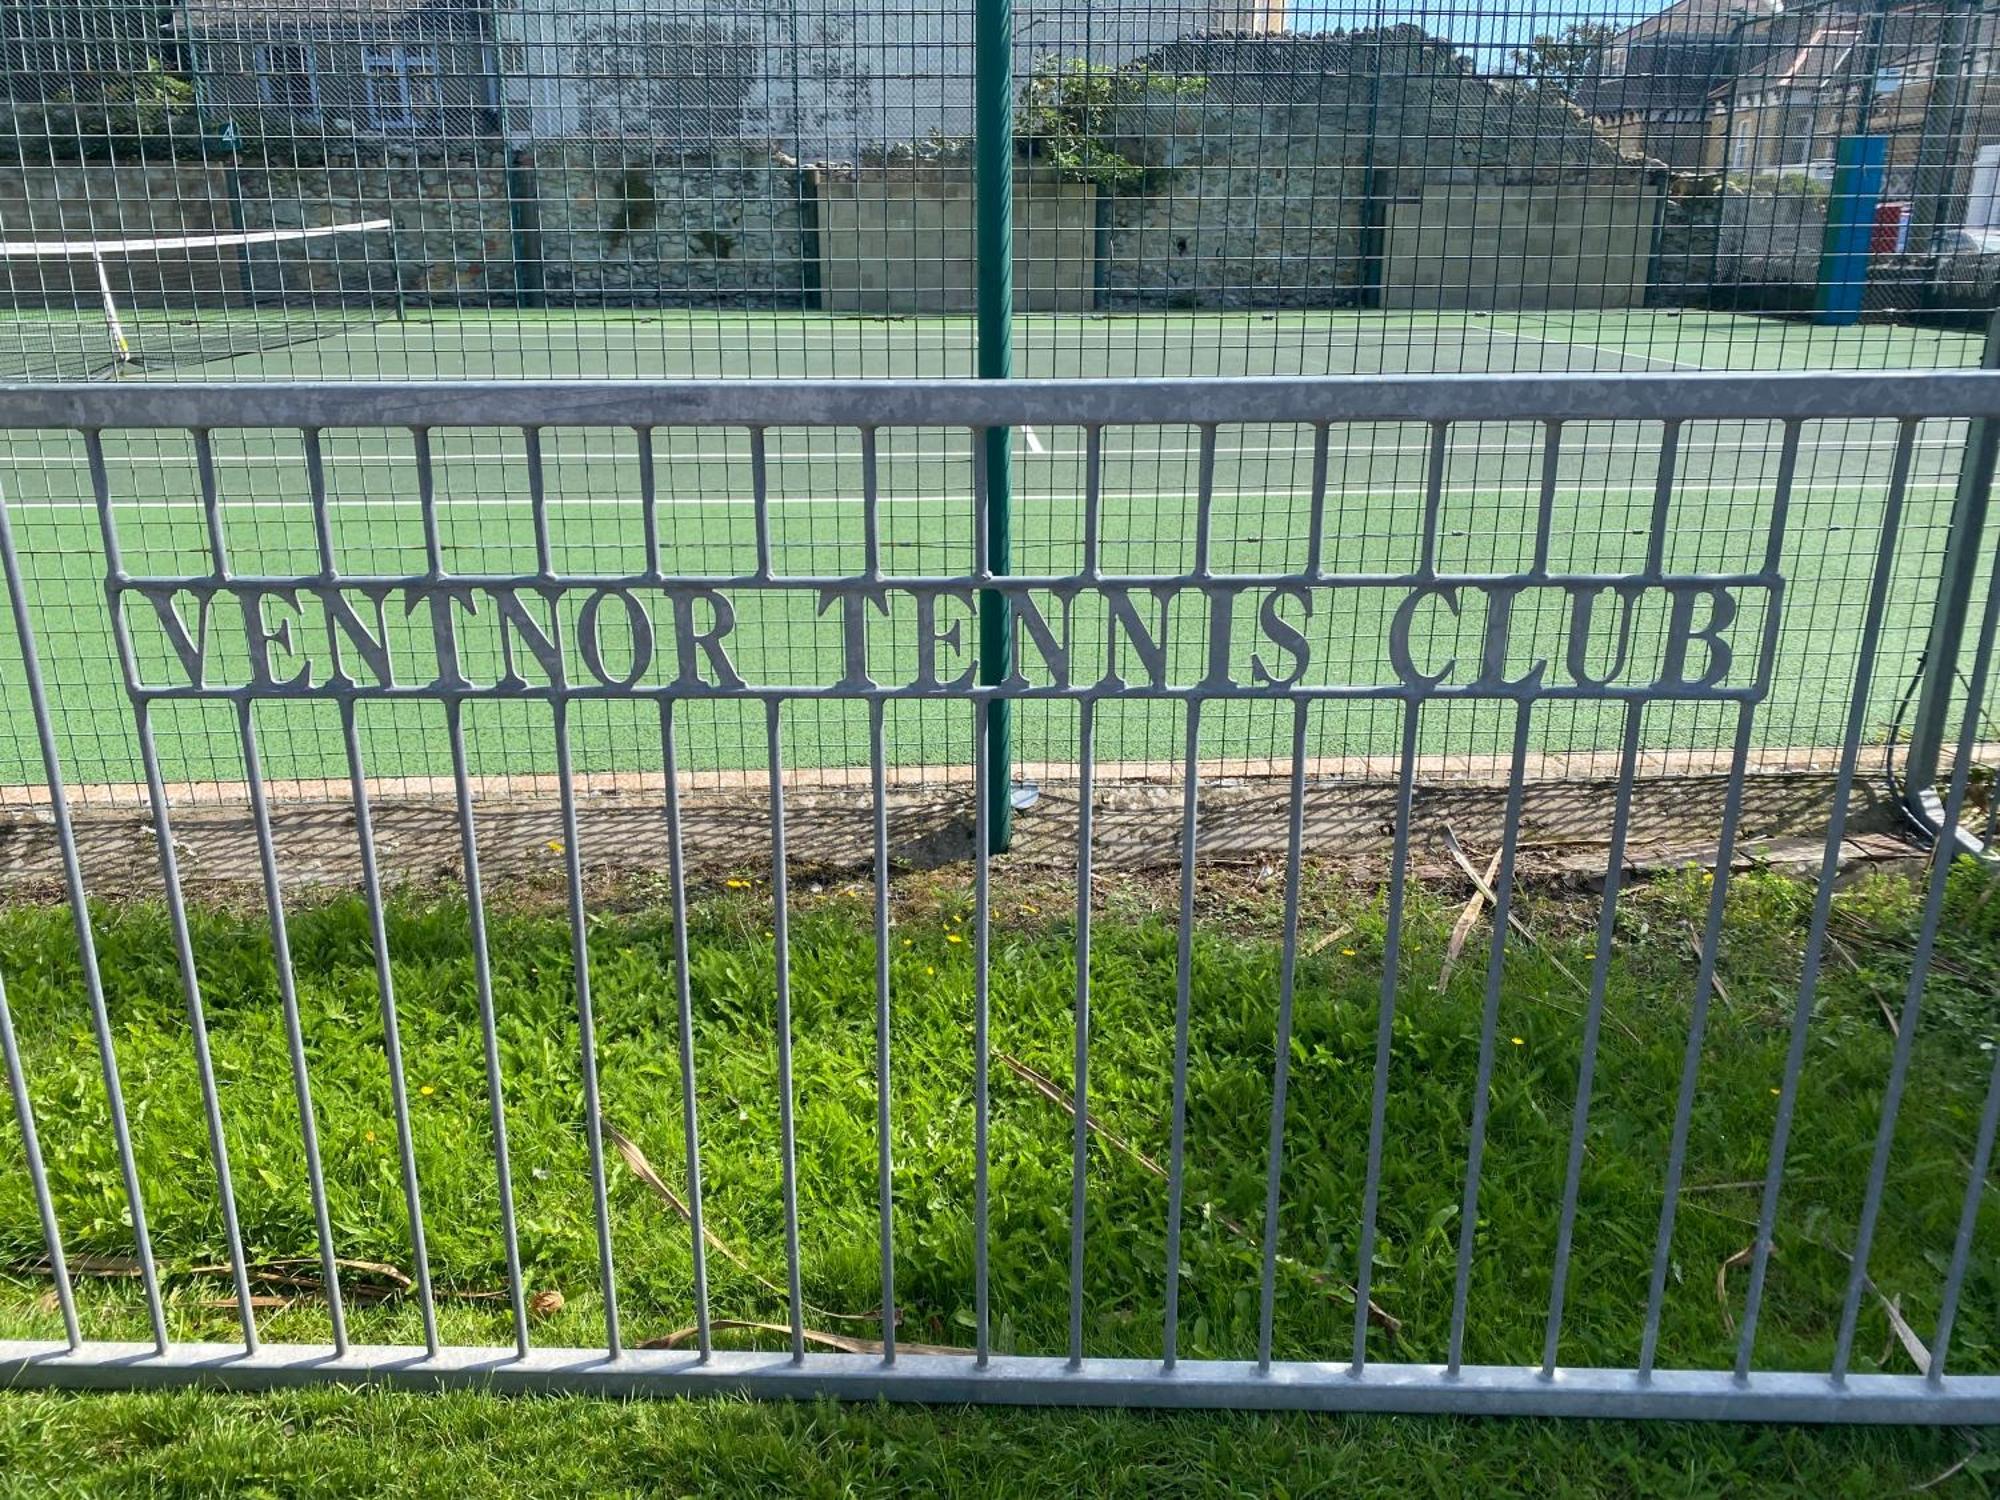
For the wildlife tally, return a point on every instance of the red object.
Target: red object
(1891, 234)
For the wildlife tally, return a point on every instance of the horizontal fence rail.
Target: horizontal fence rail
(1641, 613)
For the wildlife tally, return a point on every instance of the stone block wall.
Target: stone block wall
(898, 238)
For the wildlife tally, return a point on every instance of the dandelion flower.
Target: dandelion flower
(928, 969)
(427, 1090)
(1517, 1041)
(1347, 952)
(952, 937)
(555, 846)
(737, 885)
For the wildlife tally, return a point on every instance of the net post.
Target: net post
(993, 116)
(1956, 582)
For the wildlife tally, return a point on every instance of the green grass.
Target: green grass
(335, 1443)
(341, 1443)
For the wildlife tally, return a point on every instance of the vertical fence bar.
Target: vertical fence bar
(169, 860)
(288, 996)
(1489, 1025)
(884, 1141)
(1943, 856)
(1600, 971)
(1282, 1067)
(1816, 930)
(1711, 940)
(86, 938)
(38, 1177)
(993, 129)
(982, 850)
(1080, 1079)
(586, 1021)
(1959, 579)
(781, 943)
(1968, 1224)
(684, 1023)
(1385, 1025)
(378, 926)
(1183, 995)
(482, 975)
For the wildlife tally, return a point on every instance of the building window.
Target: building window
(403, 87)
(286, 79)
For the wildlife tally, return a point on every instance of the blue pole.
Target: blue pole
(1858, 163)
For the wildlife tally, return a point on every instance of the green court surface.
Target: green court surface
(1607, 475)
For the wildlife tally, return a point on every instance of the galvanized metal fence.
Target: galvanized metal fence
(1658, 618)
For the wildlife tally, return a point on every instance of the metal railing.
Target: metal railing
(1653, 625)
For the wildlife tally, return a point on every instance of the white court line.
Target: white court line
(743, 503)
(1034, 443)
(1614, 352)
(1414, 450)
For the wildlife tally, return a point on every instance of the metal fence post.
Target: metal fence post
(993, 115)
(1956, 582)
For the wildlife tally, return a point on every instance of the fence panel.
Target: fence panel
(415, 622)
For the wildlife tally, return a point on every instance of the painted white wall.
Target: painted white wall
(817, 78)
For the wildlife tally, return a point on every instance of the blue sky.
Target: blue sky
(1486, 30)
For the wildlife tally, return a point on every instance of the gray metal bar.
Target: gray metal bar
(1725, 853)
(392, 1041)
(1956, 583)
(1968, 1225)
(170, 874)
(1385, 1023)
(1580, 396)
(538, 498)
(781, 944)
(1080, 1063)
(1704, 990)
(586, 1028)
(288, 995)
(684, 1024)
(1663, 497)
(420, 453)
(1434, 466)
(982, 858)
(760, 500)
(1600, 971)
(1477, 1390)
(1316, 509)
(649, 499)
(1204, 514)
(1489, 1025)
(1942, 859)
(871, 503)
(38, 1177)
(1183, 990)
(1093, 499)
(1545, 505)
(1282, 1066)
(1852, 734)
(86, 938)
(884, 1141)
(482, 976)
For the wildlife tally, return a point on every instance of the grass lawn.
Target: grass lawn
(335, 1442)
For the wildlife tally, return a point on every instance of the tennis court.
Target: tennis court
(1149, 483)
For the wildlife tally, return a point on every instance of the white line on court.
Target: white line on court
(1034, 443)
(742, 503)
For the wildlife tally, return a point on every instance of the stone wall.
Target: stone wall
(1273, 184)
(84, 203)
(898, 238)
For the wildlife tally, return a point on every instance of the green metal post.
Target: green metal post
(993, 123)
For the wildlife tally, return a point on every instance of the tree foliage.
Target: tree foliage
(1560, 61)
(1065, 118)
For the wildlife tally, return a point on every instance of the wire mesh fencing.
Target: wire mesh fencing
(1637, 618)
(786, 188)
